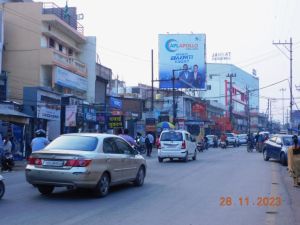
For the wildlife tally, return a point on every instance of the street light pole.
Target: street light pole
(282, 90)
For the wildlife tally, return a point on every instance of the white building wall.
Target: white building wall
(216, 76)
(88, 56)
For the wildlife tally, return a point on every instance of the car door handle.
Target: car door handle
(107, 160)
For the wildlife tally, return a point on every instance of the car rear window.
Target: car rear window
(69, 142)
(171, 136)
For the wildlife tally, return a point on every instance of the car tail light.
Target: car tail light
(34, 161)
(78, 162)
(183, 145)
(158, 145)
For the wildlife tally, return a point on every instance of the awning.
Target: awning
(11, 115)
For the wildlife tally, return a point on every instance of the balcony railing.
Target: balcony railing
(68, 15)
(70, 62)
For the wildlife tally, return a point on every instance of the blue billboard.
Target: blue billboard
(183, 55)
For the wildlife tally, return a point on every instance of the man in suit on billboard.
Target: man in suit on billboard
(185, 80)
(198, 79)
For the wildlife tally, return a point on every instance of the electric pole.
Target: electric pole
(248, 112)
(231, 75)
(152, 80)
(282, 90)
(289, 47)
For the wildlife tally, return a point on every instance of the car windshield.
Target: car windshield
(69, 142)
(243, 136)
(287, 141)
(171, 136)
(229, 135)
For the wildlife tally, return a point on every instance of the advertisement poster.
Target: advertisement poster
(71, 111)
(184, 57)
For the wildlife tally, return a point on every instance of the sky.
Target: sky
(126, 32)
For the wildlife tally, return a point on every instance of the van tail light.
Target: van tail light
(78, 162)
(158, 145)
(34, 161)
(183, 145)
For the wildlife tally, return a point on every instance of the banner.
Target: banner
(71, 111)
(184, 57)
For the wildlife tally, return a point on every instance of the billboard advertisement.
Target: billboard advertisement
(184, 56)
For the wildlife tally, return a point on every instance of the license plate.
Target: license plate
(53, 163)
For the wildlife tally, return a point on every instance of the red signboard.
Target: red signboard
(199, 109)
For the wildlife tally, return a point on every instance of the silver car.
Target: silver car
(92, 161)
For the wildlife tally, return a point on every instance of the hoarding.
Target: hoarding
(184, 56)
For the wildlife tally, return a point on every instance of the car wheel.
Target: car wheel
(186, 158)
(2, 189)
(140, 177)
(195, 155)
(160, 159)
(282, 159)
(266, 157)
(45, 190)
(102, 187)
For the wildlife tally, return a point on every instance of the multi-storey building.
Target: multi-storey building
(218, 90)
(45, 57)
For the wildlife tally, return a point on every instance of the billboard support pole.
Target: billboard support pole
(173, 92)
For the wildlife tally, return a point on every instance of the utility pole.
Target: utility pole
(271, 125)
(231, 75)
(248, 111)
(152, 80)
(289, 47)
(173, 92)
(282, 90)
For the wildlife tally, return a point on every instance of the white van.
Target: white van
(178, 144)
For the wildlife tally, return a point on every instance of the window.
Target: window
(171, 136)
(74, 142)
(187, 137)
(60, 47)
(109, 146)
(123, 147)
(51, 43)
(208, 87)
(70, 52)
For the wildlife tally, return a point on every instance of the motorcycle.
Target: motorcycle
(200, 146)
(2, 187)
(223, 144)
(7, 161)
(250, 146)
(140, 147)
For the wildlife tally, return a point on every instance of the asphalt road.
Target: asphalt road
(205, 191)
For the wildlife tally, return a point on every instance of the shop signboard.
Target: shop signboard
(71, 80)
(115, 122)
(48, 105)
(115, 103)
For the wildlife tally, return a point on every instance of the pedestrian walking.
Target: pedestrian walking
(149, 141)
(40, 141)
(294, 161)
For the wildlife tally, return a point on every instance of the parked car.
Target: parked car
(277, 147)
(242, 139)
(232, 139)
(92, 161)
(178, 144)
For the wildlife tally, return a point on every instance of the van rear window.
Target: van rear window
(171, 136)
